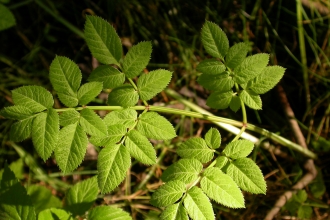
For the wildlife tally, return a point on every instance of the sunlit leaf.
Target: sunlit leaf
(168, 193)
(108, 75)
(195, 148)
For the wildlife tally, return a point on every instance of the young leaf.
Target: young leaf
(305, 212)
(236, 55)
(71, 147)
(174, 212)
(126, 117)
(221, 162)
(36, 98)
(16, 112)
(108, 75)
(152, 83)
(136, 59)
(238, 149)
(6, 17)
(251, 100)
(198, 205)
(88, 92)
(124, 95)
(54, 214)
(219, 100)
(214, 40)
(211, 66)
(235, 103)
(21, 130)
(115, 133)
(250, 67)
(81, 196)
(154, 126)
(112, 165)
(69, 117)
(265, 81)
(185, 170)
(247, 175)
(195, 148)
(108, 212)
(221, 188)
(168, 193)
(213, 138)
(140, 148)
(92, 123)
(45, 128)
(102, 40)
(222, 82)
(65, 76)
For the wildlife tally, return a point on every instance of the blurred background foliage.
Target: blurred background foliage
(45, 28)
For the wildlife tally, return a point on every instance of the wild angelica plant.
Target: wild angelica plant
(202, 174)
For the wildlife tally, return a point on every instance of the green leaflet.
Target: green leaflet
(219, 100)
(235, 103)
(21, 130)
(10, 206)
(81, 196)
(65, 76)
(108, 212)
(213, 138)
(265, 81)
(108, 75)
(168, 193)
(152, 83)
(251, 100)
(247, 175)
(214, 40)
(102, 40)
(71, 147)
(45, 129)
(185, 170)
(154, 126)
(221, 162)
(54, 214)
(222, 82)
(7, 18)
(69, 117)
(115, 134)
(136, 59)
(36, 98)
(250, 67)
(124, 96)
(17, 167)
(140, 148)
(92, 123)
(211, 66)
(88, 92)
(126, 117)
(112, 165)
(221, 188)
(238, 149)
(198, 205)
(196, 148)
(174, 212)
(236, 55)
(16, 112)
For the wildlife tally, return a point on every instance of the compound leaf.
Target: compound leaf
(45, 128)
(214, 40)
(222, 82)
(140, 148)
(221, 188)
(213, 138)
(136, 59)
(108, 75)
(108, 212)
(236, 55)
(238, 149)
(211, 66)
(112, 165)
(174, 212)
(115, 133)
(247, 175)
(124, 95)
(251, 100)
(250, 67)
(92, 123)
(16, 112)
(7, 18)
(152, 125)
(152, 83)
(21, 130)
(88, 92)
(102, 40)
(36, 98)
(219, 100)
(198, 205)
(69, 117)
(126, 117)
(196, 148)
(71, 147)
(185, 170)
(81, 196)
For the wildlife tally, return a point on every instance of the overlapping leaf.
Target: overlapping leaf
(108, 75)
(235, 103)
(126, 117)
(42, 197)
(219, 100)
(211, 66)
(222, 82)
(88, 92)
(221, 162)
(213, 138)
(16, 112)
(251, 100)
(238, 149)
(108, 212)
(174, 212)
(168, 193)
(236, 55)
(92, 123)
(124, 95)
(115, 133)
(54, 214)
(21, 130)
(195, 148)
(69, 117)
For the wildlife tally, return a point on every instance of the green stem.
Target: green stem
(136, 88)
